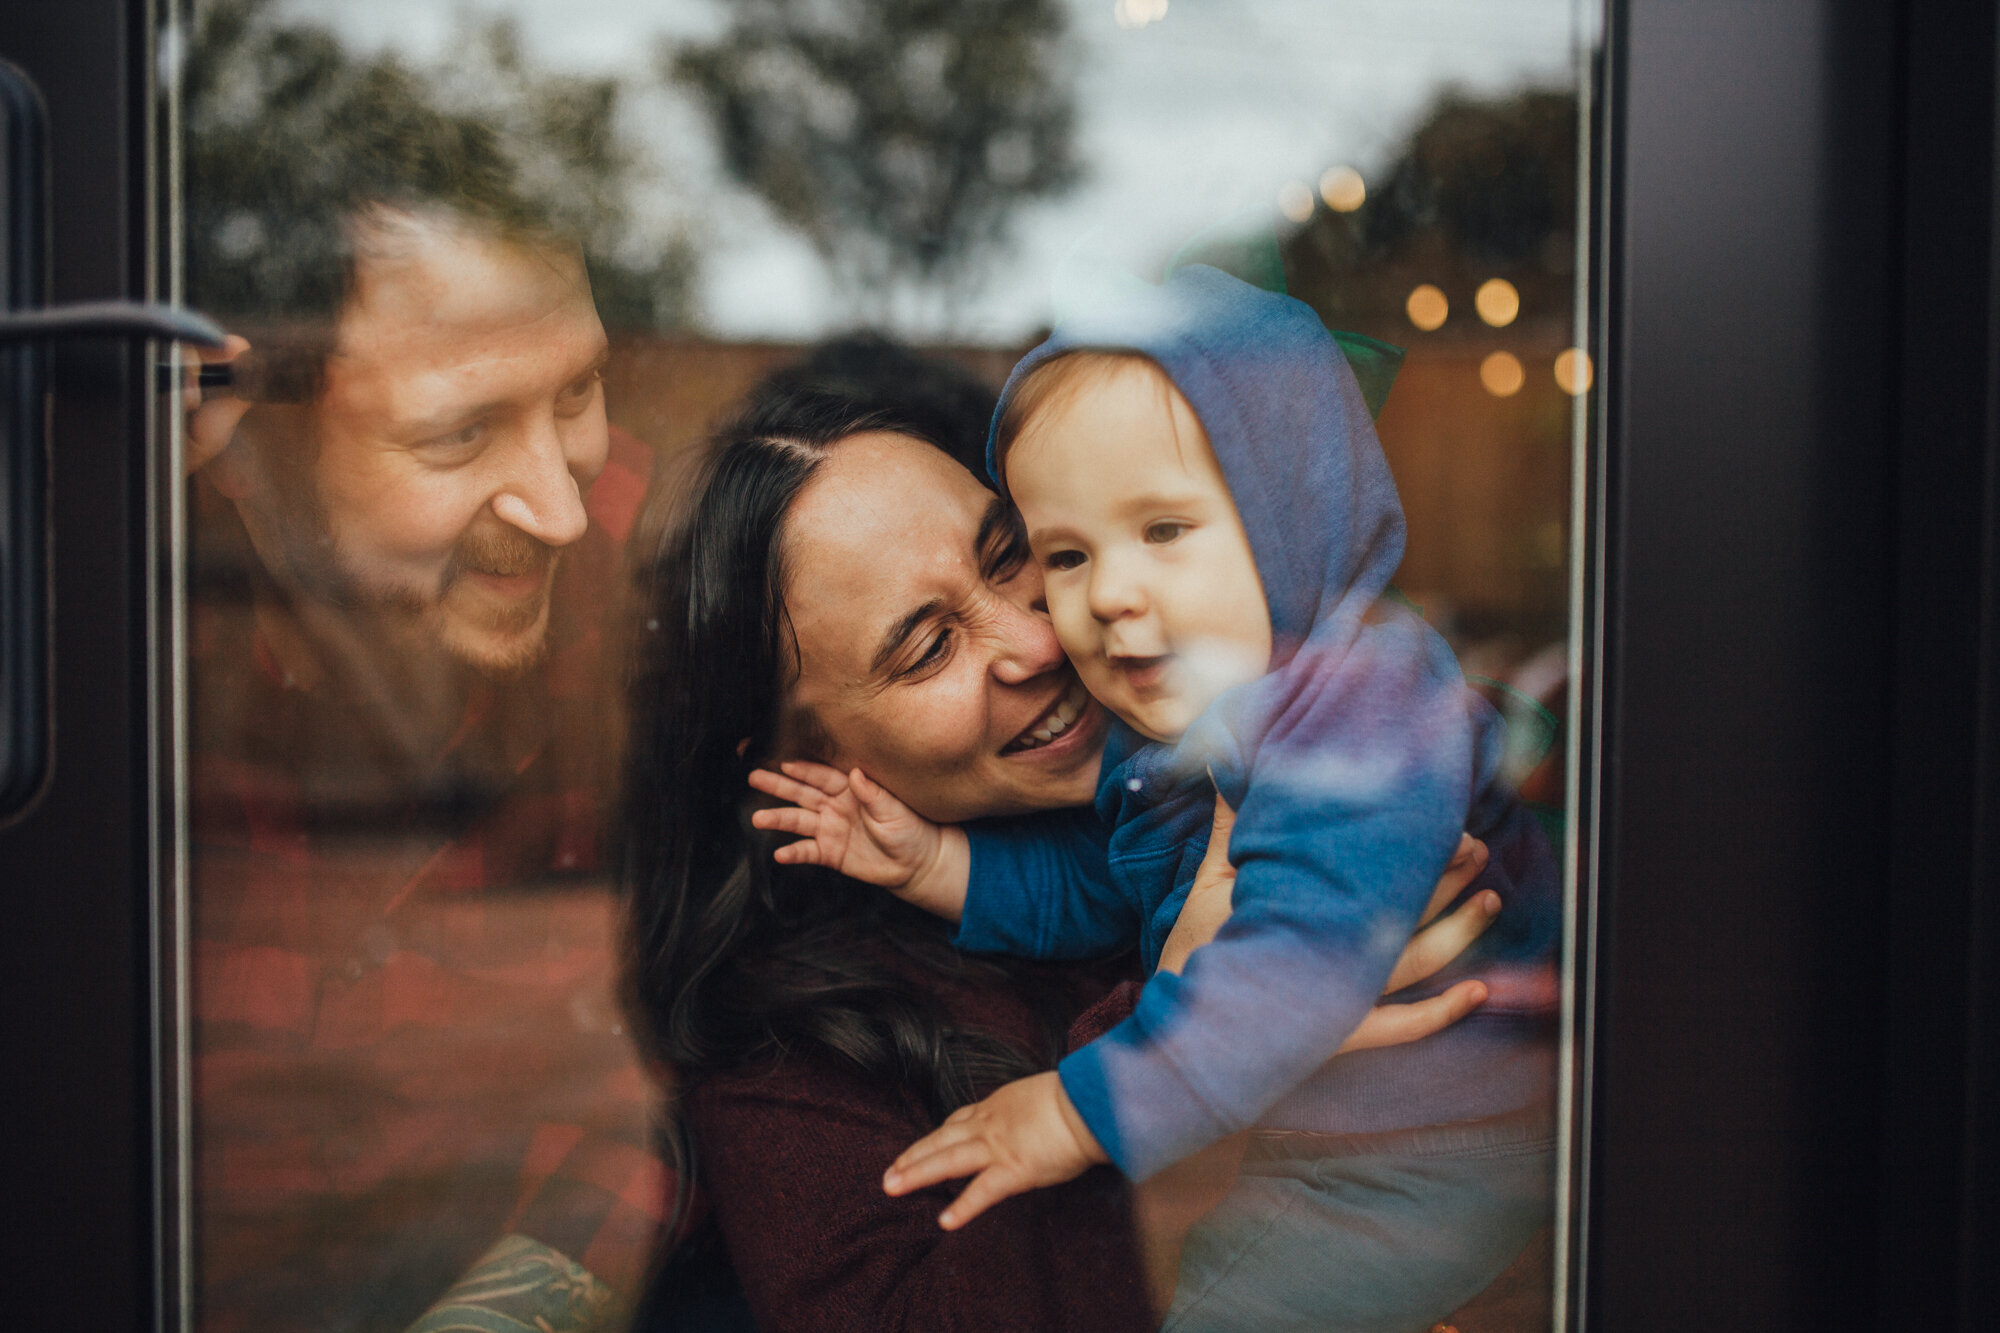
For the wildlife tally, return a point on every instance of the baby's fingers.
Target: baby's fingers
(949, 1162)
(875, 799)
(987, 1188)
(786, 819)
(804, 852)
(829, 780)
(785, 789)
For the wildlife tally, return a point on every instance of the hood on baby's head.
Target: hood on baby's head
(1288, 423)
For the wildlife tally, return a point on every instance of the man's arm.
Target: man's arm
(523, 1284)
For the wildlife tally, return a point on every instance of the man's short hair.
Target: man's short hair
(272, 248)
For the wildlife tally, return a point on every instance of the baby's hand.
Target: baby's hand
(1024, 1137)
(849, 824)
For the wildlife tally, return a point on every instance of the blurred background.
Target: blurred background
(404, 1013)
(753, 176)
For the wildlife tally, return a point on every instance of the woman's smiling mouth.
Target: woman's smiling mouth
(1059, 717)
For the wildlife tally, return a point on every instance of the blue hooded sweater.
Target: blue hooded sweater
(1352, 765)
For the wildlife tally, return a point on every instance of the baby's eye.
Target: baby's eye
(1164, 531)
(1063, 559)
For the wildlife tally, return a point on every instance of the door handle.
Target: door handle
(25, 330)
(108, 319)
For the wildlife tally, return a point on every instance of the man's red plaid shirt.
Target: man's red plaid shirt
(406, 1043)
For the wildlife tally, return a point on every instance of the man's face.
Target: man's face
(1148, 573)
(461, 422)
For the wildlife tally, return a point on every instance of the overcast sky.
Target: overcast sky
(1200, 117)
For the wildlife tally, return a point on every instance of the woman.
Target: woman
(841, 589)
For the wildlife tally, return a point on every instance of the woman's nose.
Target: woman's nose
(1027, 645)
(540, 494)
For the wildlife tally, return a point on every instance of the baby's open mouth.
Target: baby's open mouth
(1053, 722)
(1142, 673)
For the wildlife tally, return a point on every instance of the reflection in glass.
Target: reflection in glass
(501, 272)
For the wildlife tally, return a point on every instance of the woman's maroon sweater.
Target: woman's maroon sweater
(792, 1156)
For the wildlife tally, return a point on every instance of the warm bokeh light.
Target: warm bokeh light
(1138, 13)
(1502, 375)
(1295, 201)
(1497, 302)
(1343, 189)
(1426, 307)
(1574, 373)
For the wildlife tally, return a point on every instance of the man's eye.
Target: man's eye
(1161, 533)
(1063, 559)
(577, 396)
(459, 440)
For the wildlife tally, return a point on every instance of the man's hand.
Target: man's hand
(212, 424)
(1026, 1136)
(847, 823)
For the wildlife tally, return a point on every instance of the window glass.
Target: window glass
(608, 418)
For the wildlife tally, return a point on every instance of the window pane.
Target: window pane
(610, 422)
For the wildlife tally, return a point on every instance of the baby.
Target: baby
(1201, 486)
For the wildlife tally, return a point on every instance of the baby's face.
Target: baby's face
(1149, 576)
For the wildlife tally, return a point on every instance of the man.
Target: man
(406, 529)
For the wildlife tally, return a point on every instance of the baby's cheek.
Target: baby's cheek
(1076, 630)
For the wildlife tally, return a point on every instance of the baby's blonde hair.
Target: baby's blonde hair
(1059, 380)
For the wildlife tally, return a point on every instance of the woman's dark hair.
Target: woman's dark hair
(733, 958)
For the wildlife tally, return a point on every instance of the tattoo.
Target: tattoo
(523, 1286)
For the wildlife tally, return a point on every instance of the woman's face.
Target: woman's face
(923, 650)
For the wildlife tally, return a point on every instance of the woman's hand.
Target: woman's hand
(1024, 1137)
(1436, 943)
(847, 823)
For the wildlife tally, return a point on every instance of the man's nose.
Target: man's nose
(540, 494)
(1027, 645)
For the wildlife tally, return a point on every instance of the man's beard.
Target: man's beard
(494, 636)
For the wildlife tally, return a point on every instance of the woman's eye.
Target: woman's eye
(1007, 559)
(1161, 533)
(933, 654)
(1063, 559)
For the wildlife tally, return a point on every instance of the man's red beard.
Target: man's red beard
(508, 553)
(503, 551)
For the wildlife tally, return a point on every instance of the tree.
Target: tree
(897, 136)
(1484, 187)
(285, 126)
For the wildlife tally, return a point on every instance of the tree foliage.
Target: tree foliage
(1483, 187)
(287, 129)
(897, 136)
